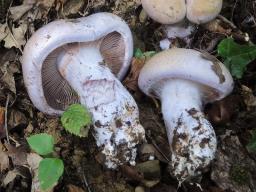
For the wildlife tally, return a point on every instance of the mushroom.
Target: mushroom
(173, 13)
(82, 60)
(184, 80)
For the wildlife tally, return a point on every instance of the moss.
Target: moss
(239, 174)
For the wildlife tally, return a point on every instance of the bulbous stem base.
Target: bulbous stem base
(191, 137)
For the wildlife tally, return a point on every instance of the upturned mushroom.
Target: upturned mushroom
(81, 61)
(184, 80)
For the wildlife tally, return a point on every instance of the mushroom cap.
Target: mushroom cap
(203, 11)
(177, 63)
(165, 12)
(44, 43)
(174, 11)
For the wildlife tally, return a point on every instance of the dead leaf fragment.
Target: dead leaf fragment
(73, 188)
(10, 176)
(15, 37)
(18, 11)
(2, 130)
(249, 98)
(7, 77)
(4, 160)
(17, 154)
(16, 118)
(131, 81)
(72, 7)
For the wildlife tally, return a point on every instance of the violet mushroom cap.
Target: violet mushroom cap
(184, 80)
(71, 61)
(174, 11)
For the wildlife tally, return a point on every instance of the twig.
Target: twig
(157, 148)
(86, 183)
(233, 10)
(5, 119)
(231, 24)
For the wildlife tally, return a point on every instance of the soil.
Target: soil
(233, 118)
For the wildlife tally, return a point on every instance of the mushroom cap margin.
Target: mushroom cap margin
(189, 64)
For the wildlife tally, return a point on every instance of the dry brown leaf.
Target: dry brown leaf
(10, 176)
(7, 77)
(73, 188)
(28, 129)
(16, 118)
(17, 154)
(249, 98)
(15, 37)
(46, 3)
(2, 130)
(131, 81)
(72, 7)
(18, 11)
(4, 160)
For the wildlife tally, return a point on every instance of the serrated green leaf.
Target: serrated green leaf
(236, 57)
(41, 143)
(76, 120)
(252, 144)
(50, 170)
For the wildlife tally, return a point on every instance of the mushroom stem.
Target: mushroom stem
(114, 111)
(191, 137)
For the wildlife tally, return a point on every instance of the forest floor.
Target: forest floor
(233, 118)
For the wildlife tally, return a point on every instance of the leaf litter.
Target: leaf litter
(83, 173)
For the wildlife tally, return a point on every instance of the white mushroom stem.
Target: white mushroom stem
(180, 30)
(114, 111)
(191, 136)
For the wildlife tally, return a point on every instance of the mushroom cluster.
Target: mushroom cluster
(174, 11)
(173, 14)
(82, 61)
(184, 80)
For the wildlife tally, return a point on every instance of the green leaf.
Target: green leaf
(252, 144)
(41, 143)
(140, 55)
(236, 57)
(75, 118)
(50, 170)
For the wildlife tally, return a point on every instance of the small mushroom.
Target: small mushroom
(81, 61)
(184, 80)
